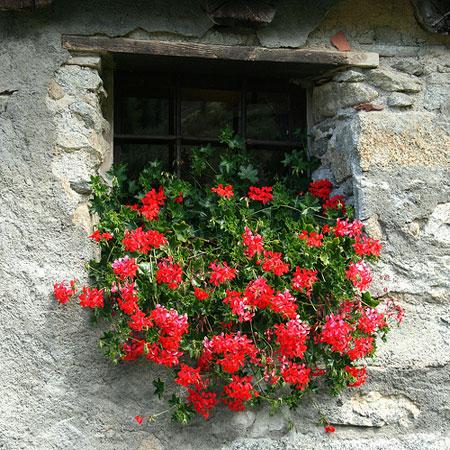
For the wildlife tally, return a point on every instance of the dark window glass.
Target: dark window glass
(145, 116)
(205, 112)
(163, 116)
(136, 156)
(268, 116)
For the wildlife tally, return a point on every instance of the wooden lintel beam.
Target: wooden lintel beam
(332, 58)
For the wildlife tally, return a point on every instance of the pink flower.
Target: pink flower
(125, 268)
(359, 274)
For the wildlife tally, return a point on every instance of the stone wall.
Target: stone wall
(392, 162)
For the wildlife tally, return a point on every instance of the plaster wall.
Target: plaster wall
(57, 389)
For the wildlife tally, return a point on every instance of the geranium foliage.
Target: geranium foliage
(246, 292)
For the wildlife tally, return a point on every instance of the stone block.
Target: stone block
(410, 66)
(390, 80)
(330, 97)
(397, 140)
(349, 76)
(374, 409)
(399, 100)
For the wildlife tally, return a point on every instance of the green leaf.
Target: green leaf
(159, 387)
(367, 298)
(248, 173)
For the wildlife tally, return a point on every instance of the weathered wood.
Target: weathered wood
(6, 5)
(330, 58)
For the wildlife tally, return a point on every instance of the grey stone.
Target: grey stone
(437, 93)
(330, 97)
(292, 23)
(390, 80)
(399, 100)
(372, 409)
(411, 66)
(349, 76)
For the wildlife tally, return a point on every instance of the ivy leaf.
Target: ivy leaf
(159, 387)
(248, 173)
(367, 298)
(233, 141)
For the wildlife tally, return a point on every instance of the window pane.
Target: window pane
(268, 116)
(145, 116)
(205, 112)
(188, 167)
(136, 156)
(268, 163)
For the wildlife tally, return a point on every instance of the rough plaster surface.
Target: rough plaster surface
(57, 391)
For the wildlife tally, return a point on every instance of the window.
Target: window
(162, 116)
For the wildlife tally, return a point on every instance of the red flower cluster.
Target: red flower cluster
(201, 294)
(230, 351)
(367, 246)
(303, 280)
(188, 376)
(142, 241)
(259, 293)
(239, 306)
(152, 202)
(202, 401)
(359, 274)
(299, 326)
(321, 189)
(240, 390)
(125, 268)
(360, 347)
(337, 333)
(172, 326)
(335, 202)
(253, 243)
(128, 298)
(263, 194)
(223, 191)
(284, 303)
(345, 228)
(139, 321)
(312, 239)
(98, 236)
(272, 262)
(169, 273)
(296, 374)
(133, 350)
(358, 374)
(221, 273)
(291, 338)
(64, 293)
(371, 321)
(91, 298)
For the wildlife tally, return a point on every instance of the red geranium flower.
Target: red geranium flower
(263, 194)
(200, 294)
(320, 188)
(64, 293)
(221, 273)
(223, 191)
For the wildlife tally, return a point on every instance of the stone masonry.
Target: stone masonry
(383, 137)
